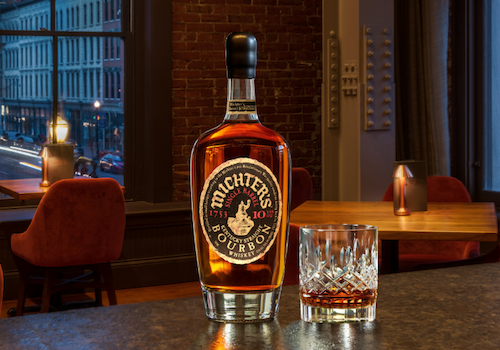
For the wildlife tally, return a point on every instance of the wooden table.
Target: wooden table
(453, 308)
(442, 221)
(23, 189)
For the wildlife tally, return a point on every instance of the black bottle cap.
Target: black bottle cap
(241, 55)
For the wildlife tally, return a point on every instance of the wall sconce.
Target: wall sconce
(61, 130)
(399, 190)
(45, 153)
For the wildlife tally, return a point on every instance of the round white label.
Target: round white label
(240, 210)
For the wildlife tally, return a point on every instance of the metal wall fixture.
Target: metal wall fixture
(350, 78)
(332, 88)
(377, 79)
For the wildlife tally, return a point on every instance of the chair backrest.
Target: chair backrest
(440, 189)
(1, 287)
(78, 221)
(292, 256)
(302, 187)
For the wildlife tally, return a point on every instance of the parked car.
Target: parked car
(112, 163)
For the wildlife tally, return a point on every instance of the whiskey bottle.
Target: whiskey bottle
(240, 173)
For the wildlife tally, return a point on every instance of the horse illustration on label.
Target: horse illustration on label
(241, 224)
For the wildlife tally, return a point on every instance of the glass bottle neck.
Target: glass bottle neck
(241, 104)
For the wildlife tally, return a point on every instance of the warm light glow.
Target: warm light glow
(401, 175)
(32, 166)
(402, 171)
(45, 153)
(21, 151)
(97, 104)
(61, 129)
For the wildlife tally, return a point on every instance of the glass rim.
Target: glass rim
(339, 227)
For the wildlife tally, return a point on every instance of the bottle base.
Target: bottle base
(241, 307)
(314, 314)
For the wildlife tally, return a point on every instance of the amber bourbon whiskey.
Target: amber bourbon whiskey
(240, 175)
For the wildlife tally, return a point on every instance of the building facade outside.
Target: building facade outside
(87, 68)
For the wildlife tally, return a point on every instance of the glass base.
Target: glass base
(314, 314)
(241, 307)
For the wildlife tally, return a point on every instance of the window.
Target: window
(85, 84)
(112, 77)
(27, 65)
(118, 86)
(106, 86)
(91, 83)
(118, 48)
(474, 74)
(112, 48)
(98, 84)
(106, 11)
(92, 49)
(112, 10)
(106, 48)
(487, 163)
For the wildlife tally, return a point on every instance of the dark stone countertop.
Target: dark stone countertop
(454, 308)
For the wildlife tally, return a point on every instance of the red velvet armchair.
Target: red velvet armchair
(420, 253)
(302, 190)
(79, 223)
(1, 287)
(302, 187)
(292, 256)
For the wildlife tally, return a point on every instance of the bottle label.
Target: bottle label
(240, 210)
(241, 107)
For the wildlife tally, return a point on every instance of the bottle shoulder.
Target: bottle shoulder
(240, 132)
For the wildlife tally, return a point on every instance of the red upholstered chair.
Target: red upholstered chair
(302, 190)
(79, 223)
(302, 187)
(1, 287)
(415, 253)
(292, 257)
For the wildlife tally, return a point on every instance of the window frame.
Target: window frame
(147, 90)
(470, 95)
(56, 32)
(484, 97)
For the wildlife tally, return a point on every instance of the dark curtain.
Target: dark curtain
(422, 131)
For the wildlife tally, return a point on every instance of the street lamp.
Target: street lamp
(97, 104)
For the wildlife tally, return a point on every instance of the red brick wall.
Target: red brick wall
(288, 78)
